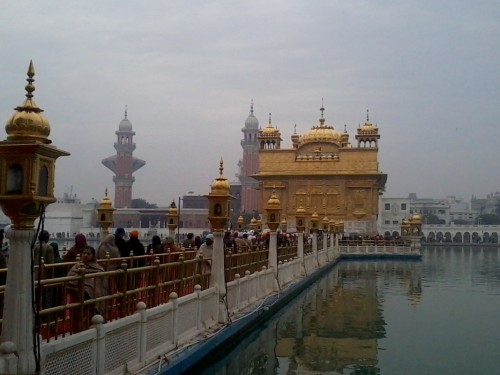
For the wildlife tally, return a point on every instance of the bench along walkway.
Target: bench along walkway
(155, 317)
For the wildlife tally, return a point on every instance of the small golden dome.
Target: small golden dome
(220, 185)
(315, 216)
(240, 219)
(253, 221)
(325, 220)
(28, 123)
(105, 202)
(172, 211)
(320, 133)
(269, 130)
(368, 127)
(300, 210)
(274, 201)
(416, 219)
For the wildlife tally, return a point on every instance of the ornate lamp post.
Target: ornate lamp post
(405, 228)
(300, 224)
(339, 228)
(273, 211)
(240, 223)
(105, 214)
(27, 169)
(172, 219)
(218, 215)
(325, 224)
(415, 231)
(314, 233)
(253, 224)
(314, 222)
(284, 225)
(259, 225)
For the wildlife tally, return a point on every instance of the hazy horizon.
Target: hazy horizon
(187, 71)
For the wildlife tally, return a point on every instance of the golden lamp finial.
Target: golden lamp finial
(28, 123)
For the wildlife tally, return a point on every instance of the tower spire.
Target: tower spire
(322, 118)
(251, 107)
(125, 111)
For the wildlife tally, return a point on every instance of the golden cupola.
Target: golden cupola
(219, 204)
(368, 128)
(269, 130)
(105, 201)
(269, 137)
(368, 135)
(105, 213)
(273, 201)
(320, 133)
(220, 184)
(28, 123)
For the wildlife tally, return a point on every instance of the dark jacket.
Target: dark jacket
(137, 248)
(121, 244)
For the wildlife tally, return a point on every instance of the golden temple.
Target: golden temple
(324, 173)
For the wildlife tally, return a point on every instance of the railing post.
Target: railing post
(315, 246)
(141, 309)
(123, 290)
(175, 303)
(199, 307)
(217, 274)
(157, 281)
(97, 322)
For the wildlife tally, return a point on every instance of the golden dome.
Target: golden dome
(368, 127)
(300, 210)
(315, 216)
(220, 185)
(320, 133)
(253, 221)
(274, 202)
(105, 202)
(269, 130)
(172, 211)
(28, 123)
(416, 219)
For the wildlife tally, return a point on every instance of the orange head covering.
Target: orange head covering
(134, 233)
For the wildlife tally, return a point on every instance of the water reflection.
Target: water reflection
(374, 317)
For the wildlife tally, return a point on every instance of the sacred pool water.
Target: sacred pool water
(440, 315)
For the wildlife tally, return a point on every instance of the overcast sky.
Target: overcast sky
(428, 71)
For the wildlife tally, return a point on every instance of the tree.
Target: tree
(432, 219)
(141, 203)
(489, 219)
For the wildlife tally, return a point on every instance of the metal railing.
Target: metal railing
(66, 303)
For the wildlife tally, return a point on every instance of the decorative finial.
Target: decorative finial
(269, 118)
(106, 192)
(221, 166)
(251, 107)
(29, 87)
(295, 129)
(322, 119)
(125, 111)
(345, 128)
(367, 116)
(28, 121)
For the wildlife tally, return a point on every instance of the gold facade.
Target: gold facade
(324, 173)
